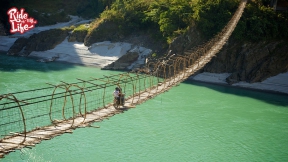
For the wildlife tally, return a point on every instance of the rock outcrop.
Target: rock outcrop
(186, 41)
(135, 58)
(250, 62)
(109, 31)
(123, 62)
(78, 36)
(246, 61)
(106, 31)
(42, 41)
(18, 46)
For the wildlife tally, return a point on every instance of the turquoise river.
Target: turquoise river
(191, 122)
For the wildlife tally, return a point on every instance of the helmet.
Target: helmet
(117, 88)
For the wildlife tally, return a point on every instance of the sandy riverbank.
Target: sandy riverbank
(98, 54)
(278, 83)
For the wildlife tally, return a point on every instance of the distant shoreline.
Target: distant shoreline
(277, 84)
(210, 80)
(238, 87)
(36, 58)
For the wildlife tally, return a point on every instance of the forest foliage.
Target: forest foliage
(173, 17)
(261, 22)
(48, 12)
(167, 19)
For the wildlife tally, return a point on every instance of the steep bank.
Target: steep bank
(245, 61)
(257, 65)
(250, 62)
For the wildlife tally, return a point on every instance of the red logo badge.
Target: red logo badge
(20, 22)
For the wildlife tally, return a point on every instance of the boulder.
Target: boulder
(123, 62)
(42, 41)
(45, 40)
(17, 47)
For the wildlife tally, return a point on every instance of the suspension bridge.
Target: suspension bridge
(28, 117)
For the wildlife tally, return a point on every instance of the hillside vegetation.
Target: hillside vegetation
(169, 18)
(165, 19)
(173, 17)
(50, 12)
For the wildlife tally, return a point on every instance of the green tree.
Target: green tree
(211, 16)
(260, 22)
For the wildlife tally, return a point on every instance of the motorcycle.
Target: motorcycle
(119, 102)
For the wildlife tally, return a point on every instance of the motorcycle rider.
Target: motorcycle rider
(117, 94)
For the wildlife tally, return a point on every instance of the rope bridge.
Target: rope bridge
(28, 117)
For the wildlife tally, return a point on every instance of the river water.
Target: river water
(191, 122)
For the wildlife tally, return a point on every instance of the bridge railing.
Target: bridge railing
(25, 111)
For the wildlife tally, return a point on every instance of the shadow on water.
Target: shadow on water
(14, 63)
(268, 97)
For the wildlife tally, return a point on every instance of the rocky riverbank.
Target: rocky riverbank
(246, 63)
(58, 43)
(275, 84)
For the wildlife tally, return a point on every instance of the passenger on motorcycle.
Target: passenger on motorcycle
(117, 94)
